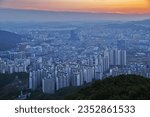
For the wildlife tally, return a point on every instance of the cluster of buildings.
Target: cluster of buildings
(137, 69)
(16, 65)
(65, 58)
(53, 76)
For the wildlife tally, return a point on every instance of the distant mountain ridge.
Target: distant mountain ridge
(8, 40)
(35, 15)
(143, 22)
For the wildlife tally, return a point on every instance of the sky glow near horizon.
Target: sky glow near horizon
(107, 6)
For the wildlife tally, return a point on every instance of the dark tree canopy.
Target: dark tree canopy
(124, 87)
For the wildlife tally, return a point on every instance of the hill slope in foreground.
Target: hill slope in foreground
(8, 40)
(124, 87)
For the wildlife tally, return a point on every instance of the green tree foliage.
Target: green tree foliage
(11, 84)
(123, 87)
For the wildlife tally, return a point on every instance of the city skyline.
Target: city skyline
(40, 56)
(94, 6)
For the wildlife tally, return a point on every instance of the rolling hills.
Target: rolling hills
(8, 40)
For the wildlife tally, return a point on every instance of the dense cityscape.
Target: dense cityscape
(75, 54)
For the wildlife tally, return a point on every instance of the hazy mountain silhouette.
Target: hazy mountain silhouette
(8, 40)
(33, 15)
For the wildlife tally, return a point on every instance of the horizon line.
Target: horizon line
(84, 12)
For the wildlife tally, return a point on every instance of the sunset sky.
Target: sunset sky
(107, 6)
